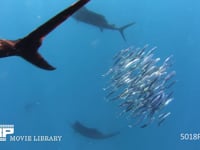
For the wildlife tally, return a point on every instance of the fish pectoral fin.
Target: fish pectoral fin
(101, 29)
(37, 60)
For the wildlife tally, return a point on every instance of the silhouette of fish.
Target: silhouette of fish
(90, 17)
(31, 106)
(91, 132)
(27, 47)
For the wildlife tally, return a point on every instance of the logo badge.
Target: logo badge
(6, 130)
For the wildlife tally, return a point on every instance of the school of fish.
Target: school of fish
(141, 85)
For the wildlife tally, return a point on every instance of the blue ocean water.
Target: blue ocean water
(40, 102)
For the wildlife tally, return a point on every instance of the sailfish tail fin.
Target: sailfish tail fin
(112, 134)
(121, 29)
(37, 60)
(27, 47)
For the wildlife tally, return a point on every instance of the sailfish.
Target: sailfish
(90, 17)
(27, 47)
(92, 133)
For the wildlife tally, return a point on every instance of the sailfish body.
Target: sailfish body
(91, 132)
(28, 46)
(90, 17)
